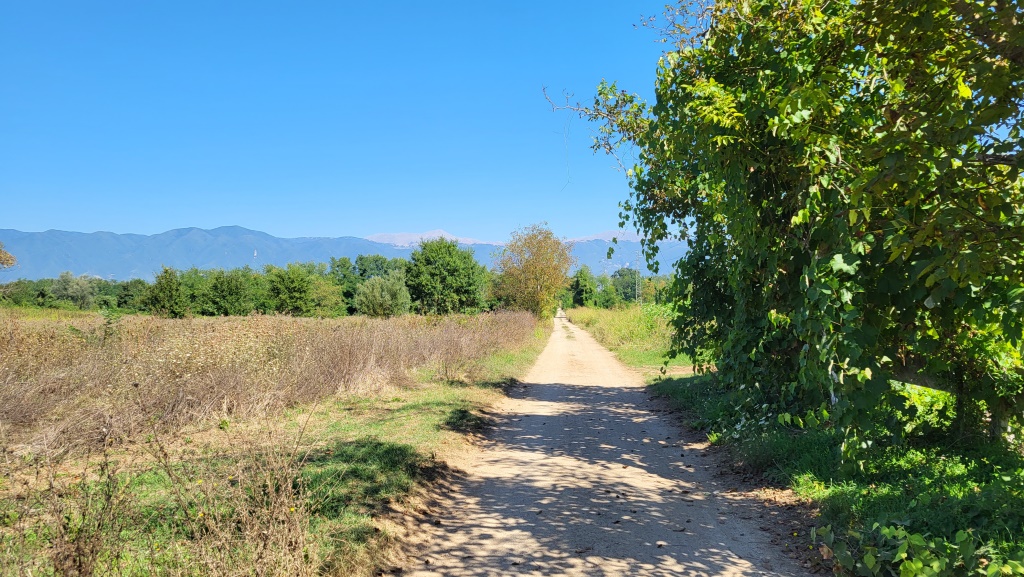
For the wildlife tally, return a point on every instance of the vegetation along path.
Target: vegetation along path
(581, 477)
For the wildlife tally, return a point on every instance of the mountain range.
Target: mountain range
(125, 256)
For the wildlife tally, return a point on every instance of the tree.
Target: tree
(76, 290)
(607, 297)
(444, 279)
(344, 275)
(625, 281)
(7, 260)
(847, 177)
(371, 265)
(290, 289)
(383, 296)
(23, 292)
(196, 285)
(327, 298)
(166, 297)
(232, 291)
(583, 288)
(131, 294)
(532, 268)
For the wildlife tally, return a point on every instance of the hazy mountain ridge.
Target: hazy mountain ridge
(411, 239)
(124, 256)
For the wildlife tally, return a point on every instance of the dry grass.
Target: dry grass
(73, 383)
(158, 447)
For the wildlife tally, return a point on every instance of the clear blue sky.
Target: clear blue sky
(320, 118)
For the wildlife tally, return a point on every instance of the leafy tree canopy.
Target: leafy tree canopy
(444, 279)
(532, 268)
(166, 296)
(847, 177)
(583, 287)
(290, 289)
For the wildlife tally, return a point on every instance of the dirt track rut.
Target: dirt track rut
(581, 477)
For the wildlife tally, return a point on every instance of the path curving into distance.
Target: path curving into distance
(581, 477)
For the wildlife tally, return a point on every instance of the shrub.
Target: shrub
(384, 296)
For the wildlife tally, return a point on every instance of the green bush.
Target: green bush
(444, 279)
(383, 296)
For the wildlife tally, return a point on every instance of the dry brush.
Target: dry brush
(82, 382)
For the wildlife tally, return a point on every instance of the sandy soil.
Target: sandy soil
(583, 474)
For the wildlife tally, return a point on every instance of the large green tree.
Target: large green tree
(74, 289)
(583, 287)
(233, 292)
(371, 265)
(343, 274)
(444, 279)
(166, 296)
(532, 268)
(626, 281)
(290, 289)
(847, 177)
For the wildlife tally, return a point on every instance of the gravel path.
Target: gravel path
(581, 477)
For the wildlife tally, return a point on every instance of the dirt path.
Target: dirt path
(580, 477)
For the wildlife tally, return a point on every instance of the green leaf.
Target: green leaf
(963, 89)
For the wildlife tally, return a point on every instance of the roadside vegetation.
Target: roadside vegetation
(949, 502)
(285, 446)
(948, 497)
(846, 176)
(639, 335)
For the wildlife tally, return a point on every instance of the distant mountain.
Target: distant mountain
(125, 256)
(610, 235)
(411, 239)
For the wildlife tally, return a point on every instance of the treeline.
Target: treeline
(609, 291)
(372, 285)
(439, 278)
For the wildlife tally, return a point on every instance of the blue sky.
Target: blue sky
(311, 118)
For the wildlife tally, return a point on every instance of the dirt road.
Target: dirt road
(580, 477)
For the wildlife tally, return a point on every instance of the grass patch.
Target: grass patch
(964, 502)
(639, 336)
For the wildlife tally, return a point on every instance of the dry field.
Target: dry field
(73, 383)
(231, 446)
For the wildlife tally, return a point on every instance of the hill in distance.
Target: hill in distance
(125, 256)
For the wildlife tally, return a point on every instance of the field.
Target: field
(220, 446)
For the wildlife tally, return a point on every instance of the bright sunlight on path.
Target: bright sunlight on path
(580, 477)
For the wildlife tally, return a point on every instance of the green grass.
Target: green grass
(929, 486)
(639, 336)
